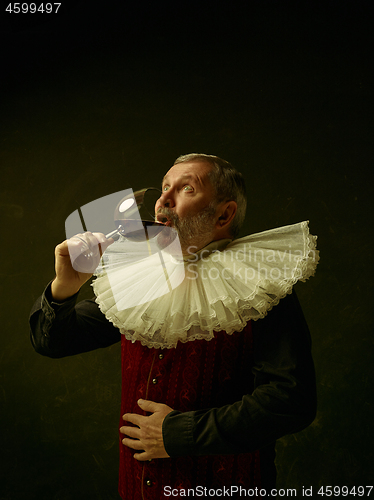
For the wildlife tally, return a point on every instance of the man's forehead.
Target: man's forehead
(196, 170)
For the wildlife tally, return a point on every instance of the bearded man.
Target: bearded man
(224, 369)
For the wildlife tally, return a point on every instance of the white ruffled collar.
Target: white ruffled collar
(213, 246)
(220, 287)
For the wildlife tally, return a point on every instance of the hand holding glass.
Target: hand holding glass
(134, 220)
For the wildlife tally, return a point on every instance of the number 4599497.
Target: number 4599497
(344, 491)
(24, 8)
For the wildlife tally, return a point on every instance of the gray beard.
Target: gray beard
(192, 229)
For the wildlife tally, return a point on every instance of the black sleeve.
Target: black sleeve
(59, 330)
(283, 400)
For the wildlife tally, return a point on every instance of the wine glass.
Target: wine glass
(134, 216)
(134, 219)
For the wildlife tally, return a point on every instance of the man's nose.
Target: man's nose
(166, 199)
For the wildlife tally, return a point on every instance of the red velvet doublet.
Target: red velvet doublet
(194, 375)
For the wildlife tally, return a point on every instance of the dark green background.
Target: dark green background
(102, 97)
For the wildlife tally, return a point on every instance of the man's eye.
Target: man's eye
(187, 188)
(165, 188)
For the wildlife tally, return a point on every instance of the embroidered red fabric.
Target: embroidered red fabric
(194, 375)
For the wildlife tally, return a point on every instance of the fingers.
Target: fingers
(62, 249)
(75, 261)
(134, 444)
(133, 439)
(147, 435)
(85, 250)
(137, 445)
(148, 406)
(132, 432)
(96, 243)
(88, 240)
(152, 407)
(133, 418)
(103, 241)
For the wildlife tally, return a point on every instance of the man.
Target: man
(201, 414)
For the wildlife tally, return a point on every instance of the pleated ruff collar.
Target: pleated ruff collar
(160, 300)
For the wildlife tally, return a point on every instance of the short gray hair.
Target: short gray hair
(228, 183)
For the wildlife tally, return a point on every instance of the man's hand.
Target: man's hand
(147, 436)
(85, 251)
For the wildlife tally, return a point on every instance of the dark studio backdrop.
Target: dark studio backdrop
(102, 97)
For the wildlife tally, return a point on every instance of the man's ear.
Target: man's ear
(226, 214)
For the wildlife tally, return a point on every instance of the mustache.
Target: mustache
(172, 216)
